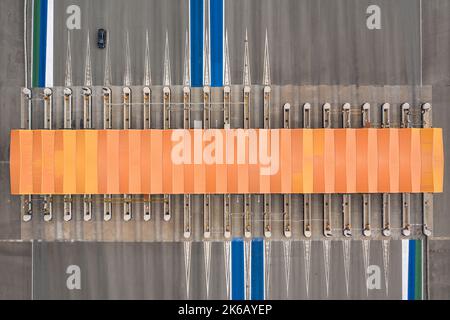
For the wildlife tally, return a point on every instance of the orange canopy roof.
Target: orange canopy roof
(220, 161)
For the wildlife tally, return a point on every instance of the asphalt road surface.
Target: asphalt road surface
(133, 271)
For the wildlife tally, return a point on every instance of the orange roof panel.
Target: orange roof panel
(219, 161)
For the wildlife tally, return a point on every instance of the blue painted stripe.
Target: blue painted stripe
(411, 269)
(43, 43)
(237, 270)
(257, 287)
(196, 20)
(216, 22)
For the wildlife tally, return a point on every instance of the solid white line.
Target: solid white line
(230, 269)
(25, 40)
(50, 39)
(405, 269)
(264, 270)
(32, 270)
(223, 40)
(190, 45)
(421, 46)
(203, 40)
(424, 267)
(32, 43)
(247, 270)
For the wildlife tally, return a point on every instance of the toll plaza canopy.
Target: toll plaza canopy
(226, 161)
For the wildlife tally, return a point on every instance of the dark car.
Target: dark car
(101, 38)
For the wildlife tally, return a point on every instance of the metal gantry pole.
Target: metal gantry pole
(307, 199)
(366, 198)
(386, 206)
(206, 126)
(267, 211)
(166, 113)
(48, 121)
(68, 109)
(127, 103)
(87, 124)
(406, 197)
(107, 125)
(206, 197)
(267, 219)
(147, 98)
(147, 93)
(206, 117)
(246, 124)
(227, 197)
(27, 204)
(187, 214)
(287, 218)
(247, 197)
(427, 202)
(327, 229)
(167, 214)
(227, 125)
(347, 198)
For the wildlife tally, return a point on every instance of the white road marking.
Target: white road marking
(50, 38)
(405, 268)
